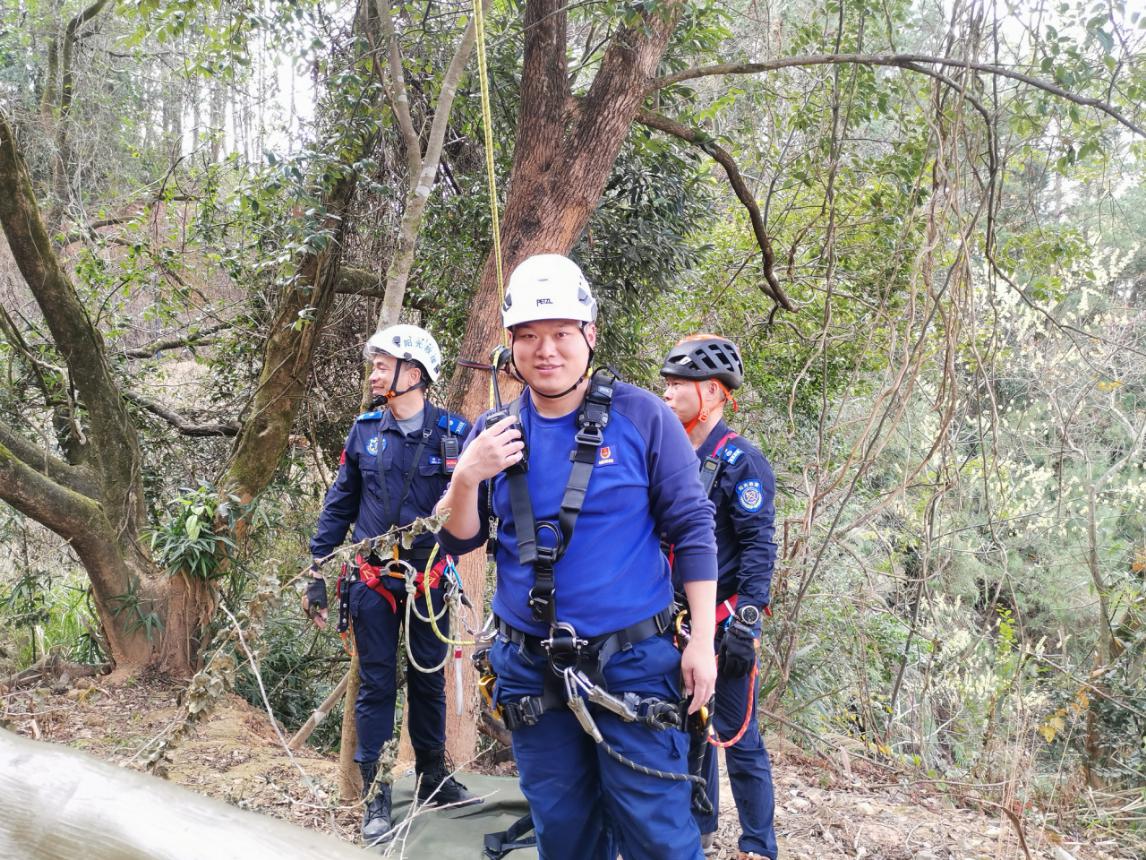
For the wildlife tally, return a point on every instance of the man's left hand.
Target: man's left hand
(314, 601)
(737, 652)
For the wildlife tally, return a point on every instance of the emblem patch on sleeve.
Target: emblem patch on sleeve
(750, 495)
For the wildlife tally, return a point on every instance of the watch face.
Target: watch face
(749, 615)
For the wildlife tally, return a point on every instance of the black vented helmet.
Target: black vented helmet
(706, 357)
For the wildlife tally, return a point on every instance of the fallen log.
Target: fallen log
(59, 804)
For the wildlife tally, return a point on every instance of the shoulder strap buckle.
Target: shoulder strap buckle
(589, 433)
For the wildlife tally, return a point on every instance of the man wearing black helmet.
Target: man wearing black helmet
(700, 373)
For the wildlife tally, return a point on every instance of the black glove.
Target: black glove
(737, 651)
(316, 594)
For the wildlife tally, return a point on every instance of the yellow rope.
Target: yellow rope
(431, 617)
(487, 121)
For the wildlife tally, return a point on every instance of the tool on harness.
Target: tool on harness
(574, 687)
(443, 574)
(652, 712)
(681, 635)
(342, 589)
(486, 681)
(699, 730)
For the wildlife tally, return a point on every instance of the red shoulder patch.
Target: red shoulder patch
(342, 458)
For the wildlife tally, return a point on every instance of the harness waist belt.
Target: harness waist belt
(604, 646)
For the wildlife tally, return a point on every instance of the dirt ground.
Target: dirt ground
(822, 812)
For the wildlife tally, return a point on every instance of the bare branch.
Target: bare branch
(699, 138)
(423, 168)
(36, 495)
(399, 99)
(199, 337)
(85, 231)
(187, 428)
(905, 61)
(359, 282)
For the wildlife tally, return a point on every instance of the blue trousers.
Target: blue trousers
(585, 805)
(377, 638)
(749, 768)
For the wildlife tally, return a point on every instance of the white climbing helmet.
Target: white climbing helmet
(409, 343)
(547, 287)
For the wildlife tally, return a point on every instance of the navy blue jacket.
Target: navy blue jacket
(745, 497)
(378, 451)
(645, 485)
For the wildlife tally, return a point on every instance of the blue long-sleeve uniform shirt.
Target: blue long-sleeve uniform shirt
(745, 497)
(377, 452)
(644, 486)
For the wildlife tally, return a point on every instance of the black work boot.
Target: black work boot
(376, 821)
(435, 785)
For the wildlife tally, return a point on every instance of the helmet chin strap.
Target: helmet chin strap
(383, 399)
(700, 416)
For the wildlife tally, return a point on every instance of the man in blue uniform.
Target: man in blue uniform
(394, 469)
(583, 591)
(701, 372)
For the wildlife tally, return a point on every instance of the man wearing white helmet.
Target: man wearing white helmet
(584, 595)
(394, 468)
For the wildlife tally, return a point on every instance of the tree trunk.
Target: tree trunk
(268, 418)
(561, 160)
(97, 506)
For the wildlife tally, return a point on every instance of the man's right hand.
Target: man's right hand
(495, 449)
(314, 601)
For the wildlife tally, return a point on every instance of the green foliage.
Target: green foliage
(299, 667)
(188, 541)
(135, 612)
(51, 611)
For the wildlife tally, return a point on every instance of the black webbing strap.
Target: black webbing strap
(591, 421)
(520, 503)
(497, 845)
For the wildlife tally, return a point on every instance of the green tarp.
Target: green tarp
(458, 834)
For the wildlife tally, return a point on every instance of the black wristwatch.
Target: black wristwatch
(748, 615)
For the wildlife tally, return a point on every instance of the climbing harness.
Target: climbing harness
(575, 679)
